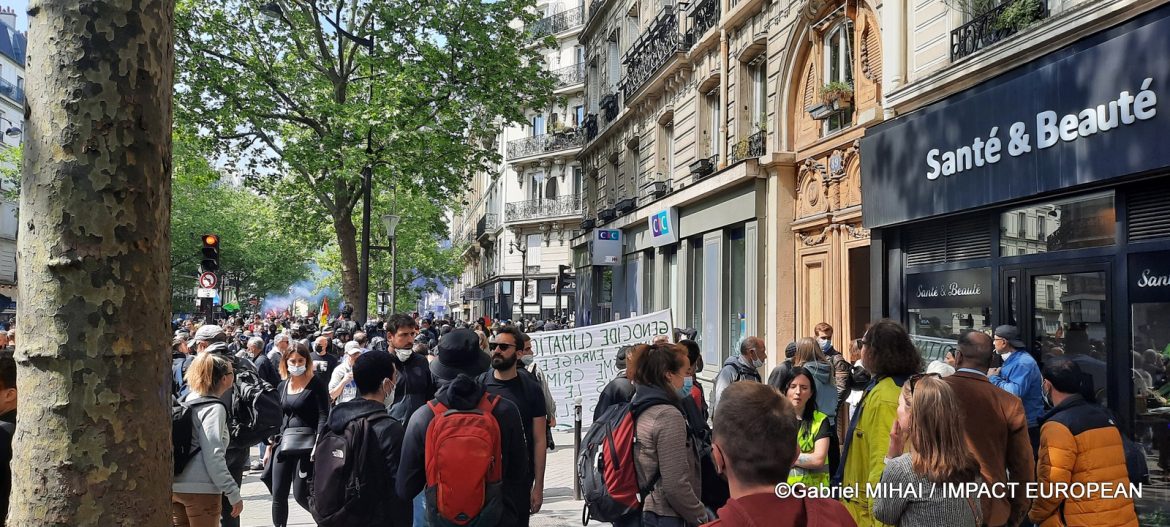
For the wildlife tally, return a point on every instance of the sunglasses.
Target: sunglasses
(500, 345)
(919, 376)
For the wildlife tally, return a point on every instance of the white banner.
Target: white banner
(579, 362)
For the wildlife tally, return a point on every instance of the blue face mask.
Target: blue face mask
(688, 382)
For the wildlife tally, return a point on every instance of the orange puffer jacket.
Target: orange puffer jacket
(1079, 443)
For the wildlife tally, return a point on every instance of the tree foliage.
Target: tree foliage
(256, 245)
(299, 108)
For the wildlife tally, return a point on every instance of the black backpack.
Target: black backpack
(350, 483)
(183, 429)
(255, 412)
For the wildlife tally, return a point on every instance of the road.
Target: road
(560, 509)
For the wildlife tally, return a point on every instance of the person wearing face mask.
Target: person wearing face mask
(755, 446)
(304, 400)
(341, 385)
(1020, 376)
(839, 366)
(742, 367)
(528, 366)
(375, 375)
(415, 384)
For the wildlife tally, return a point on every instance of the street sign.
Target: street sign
(208, 280)
(205, 292)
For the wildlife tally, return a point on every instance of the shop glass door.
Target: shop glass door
(1070, 318)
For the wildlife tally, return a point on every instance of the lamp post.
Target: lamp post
(514, 245)
(361, 305)
(391, 223)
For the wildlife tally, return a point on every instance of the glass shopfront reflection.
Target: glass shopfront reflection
(1149, 295)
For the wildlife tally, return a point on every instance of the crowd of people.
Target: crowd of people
(458, 419)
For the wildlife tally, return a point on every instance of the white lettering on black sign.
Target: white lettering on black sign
(1151, 280)
(951, 289)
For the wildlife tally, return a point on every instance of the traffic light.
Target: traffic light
(210, 263)
(562, 279)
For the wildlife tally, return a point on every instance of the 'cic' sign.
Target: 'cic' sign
(664, 227)
(606, 247)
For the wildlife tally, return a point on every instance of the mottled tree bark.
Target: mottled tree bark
(347, 243)
(92, 443)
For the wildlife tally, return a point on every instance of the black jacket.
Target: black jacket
(416, 385)
(390, 432)
(464, 393)
(619, 390)
(267, 370)
(6, 429)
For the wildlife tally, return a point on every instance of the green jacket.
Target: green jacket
(868, 446)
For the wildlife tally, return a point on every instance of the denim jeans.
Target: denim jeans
(420, 510)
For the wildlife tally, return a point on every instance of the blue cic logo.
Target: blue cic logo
(660, 224)
(614, 235)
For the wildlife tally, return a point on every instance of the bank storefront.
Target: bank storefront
(1041, 198)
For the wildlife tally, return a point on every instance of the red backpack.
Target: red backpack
(464, 466)
(606, 466)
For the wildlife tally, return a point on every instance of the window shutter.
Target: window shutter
(948, 240)
(1149, 213)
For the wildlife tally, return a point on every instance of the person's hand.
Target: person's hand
(348, 378)
(993, 372)
(552, 421)
(897, 440)
(237, 509)
(537, 500)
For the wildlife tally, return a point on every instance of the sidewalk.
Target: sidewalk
(559, 510)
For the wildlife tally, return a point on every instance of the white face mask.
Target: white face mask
(296, 371)
(527, 359)
(403, 354)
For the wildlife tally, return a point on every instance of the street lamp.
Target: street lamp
(391, 223)
(515, 245)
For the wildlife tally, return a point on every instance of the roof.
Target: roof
(13, 43)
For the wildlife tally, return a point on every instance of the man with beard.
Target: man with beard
(526, 393)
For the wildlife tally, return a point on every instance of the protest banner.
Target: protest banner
(579, 362)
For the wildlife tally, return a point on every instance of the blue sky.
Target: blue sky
(20, 6)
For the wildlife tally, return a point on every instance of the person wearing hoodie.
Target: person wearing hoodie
(415, 384)
(619, 390)
(742, 367)
(755, 446)
(810, 356)
(375, 375)
(196, 490)
(462, 392)
(666, 460)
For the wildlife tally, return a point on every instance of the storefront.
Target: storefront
(1041, 198)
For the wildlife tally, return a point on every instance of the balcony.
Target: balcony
(569, 205)
(569, 76)
(590, 126)
(544, 144)
(594, 7)
(657, 45)
(996, 25)
(12, 91)
(488, 224)
(558, 23)
(750, 148)
(704, 16)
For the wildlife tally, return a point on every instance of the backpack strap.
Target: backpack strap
(437, 407)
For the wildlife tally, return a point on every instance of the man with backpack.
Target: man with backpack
(743, 367)
(473, 442)
(619, 390)
(525, 392)
(359, 454)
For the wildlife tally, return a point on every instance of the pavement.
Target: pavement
(559, 510)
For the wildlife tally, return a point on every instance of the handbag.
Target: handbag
(295, 441)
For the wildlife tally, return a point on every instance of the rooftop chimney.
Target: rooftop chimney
(8, 17)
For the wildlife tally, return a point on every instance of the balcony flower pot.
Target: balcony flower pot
(836, 91)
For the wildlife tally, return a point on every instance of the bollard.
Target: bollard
(576, 447)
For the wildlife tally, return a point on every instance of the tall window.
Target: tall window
(578, 115)
(648, 285)
(594, 87)
(538, 125)
(713, 122)
(534, 249)
(578, 184)
(668, 150)
(695, 287)
(614, 63)
(1041, 228)
(534, 185)
(579, 53)
(839, 68)
(1022, 224)
(759, 100)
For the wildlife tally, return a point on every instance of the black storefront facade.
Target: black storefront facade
(1041, 198)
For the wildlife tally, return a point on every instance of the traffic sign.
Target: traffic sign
(205, 292)
(208, 280)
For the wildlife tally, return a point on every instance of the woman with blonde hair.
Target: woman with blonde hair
(196, 491)
(929, 422)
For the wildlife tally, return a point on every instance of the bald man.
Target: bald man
(742, 367)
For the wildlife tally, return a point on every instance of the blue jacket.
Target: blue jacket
(1020, 376)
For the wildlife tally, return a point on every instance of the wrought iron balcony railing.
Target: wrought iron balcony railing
(590, 126)
(651, 51)
(569, 76)
(996, 25)
(544, 144)
(568, 205)
(558, 23)
(12, 91)
(704, 16)
(595, 6)
(488, 223)
(749, 148)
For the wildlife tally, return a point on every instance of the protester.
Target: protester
(744, 366)
(264, 367)
(996, 430)
(374, 375)
(755, 446)
(813, 438)
(455, 357)
(528, 361)
(891, 358)
(619, 390)
(7, 428)
(525, 392)
(421, 467)
(304, 399)
(1079, 443)
(324, 361)
(695, 390)
(666, 461)
(930, 423)
(280, 345)
(840, 367)
(342, 389)
(1019, 375)
(415, 384)
(811, 357)
(197, 490)
(714, 492)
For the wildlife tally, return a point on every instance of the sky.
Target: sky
(20, 6)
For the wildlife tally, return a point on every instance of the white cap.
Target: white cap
(353, 348)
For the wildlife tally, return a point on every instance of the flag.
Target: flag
(324, 311)
(231, 307)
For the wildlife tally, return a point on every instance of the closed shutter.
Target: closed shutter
(1149, 213)
(949, 240)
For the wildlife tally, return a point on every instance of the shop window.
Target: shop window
(1077, 223)
(671, 255)
(944, 305)
(1069, 319)
(695, 289)
(838, 52)
(736, 288)
(1151, 398)
(648, 285)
